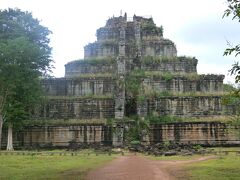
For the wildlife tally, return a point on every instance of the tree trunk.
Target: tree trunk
(10, 139)
(1, 124)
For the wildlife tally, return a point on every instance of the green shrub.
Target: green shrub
(141, 98)
(192, 76)
(228, 88)
(152, 60)
(134, 143)
(163, 119)
(164, 94)
(136, 127)
(167, 76)
(197, 147)
(133, 82)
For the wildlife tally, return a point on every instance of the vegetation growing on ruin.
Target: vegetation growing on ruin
(168, 76)
(141, 98)
(87, 96)
(148, 27)
(136, 130)
(154, 118)
(193, 94)
(63, 122)
(150, 93)
(133, 82)
(136, 125)
(152, 60)
(163, 119)
(135, 86)
(95, 61)
(93, 75)
(140, 90)
(231, 99)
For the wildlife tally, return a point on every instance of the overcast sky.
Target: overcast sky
(196, 26)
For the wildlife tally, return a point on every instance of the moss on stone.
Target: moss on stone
(171, 75)
(92, 75)
(153, 93)
(64, 122)
(94, 61)
(89, 96)
(152, 60)
(155, 119)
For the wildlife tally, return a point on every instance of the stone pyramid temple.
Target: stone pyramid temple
(131, 70)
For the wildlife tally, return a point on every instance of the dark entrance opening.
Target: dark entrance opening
(131, 107)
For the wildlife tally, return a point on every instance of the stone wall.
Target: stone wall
(176, 84)
(185, 83)
(76, 108)
(152, 46)
(210, 83)
(104, 33)
(61, 136)
(183, 106)
(204, 133)
(78, 86)
(182, 65)
(104, 48)
(77, 68)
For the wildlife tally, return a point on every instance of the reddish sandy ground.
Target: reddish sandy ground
(135, 167)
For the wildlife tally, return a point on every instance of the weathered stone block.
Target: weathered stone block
(77, 108)
(204, 133)
(183, 106)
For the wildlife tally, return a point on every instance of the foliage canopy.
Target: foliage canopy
(233, 10)
(25, 56)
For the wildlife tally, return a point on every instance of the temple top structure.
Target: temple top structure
(138, 37)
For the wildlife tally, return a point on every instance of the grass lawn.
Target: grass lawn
(49, 166)
(222, 168)
(173, 158)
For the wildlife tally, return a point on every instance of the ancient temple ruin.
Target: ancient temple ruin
(131, 69)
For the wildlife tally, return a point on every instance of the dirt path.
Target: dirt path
(134, 167)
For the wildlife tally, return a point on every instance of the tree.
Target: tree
(25, 56)
(233, 97)
(234, 11)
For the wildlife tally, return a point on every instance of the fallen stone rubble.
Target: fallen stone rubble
(169, 149)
